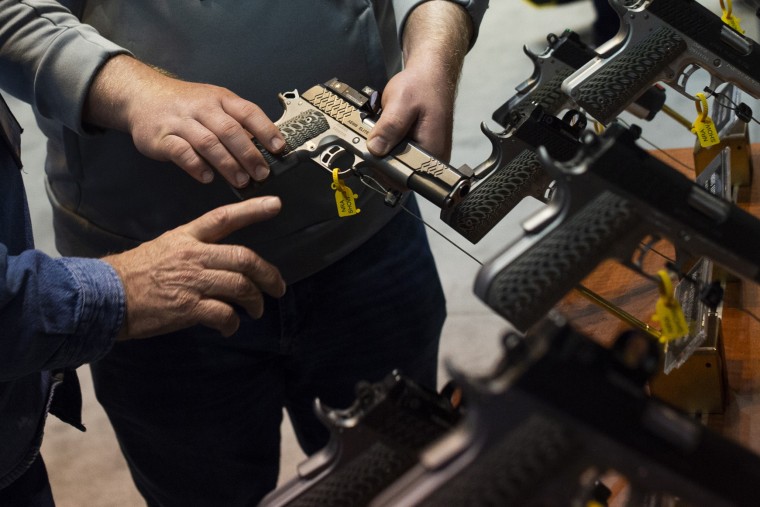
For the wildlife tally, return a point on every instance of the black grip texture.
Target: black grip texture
(527, 288)
(297, 130)
(513, 470)
(490, 201)
(359, 480)
(618, 84)
(550, 96)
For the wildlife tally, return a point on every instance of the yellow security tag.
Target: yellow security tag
(345, 198)
(728, 16)
(668, 311)
(703, 126)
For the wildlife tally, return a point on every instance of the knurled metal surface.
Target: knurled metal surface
(432, 167)
(333, 105)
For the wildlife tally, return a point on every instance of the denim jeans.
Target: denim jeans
(198, 416)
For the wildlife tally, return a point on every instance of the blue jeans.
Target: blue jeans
(198, 416)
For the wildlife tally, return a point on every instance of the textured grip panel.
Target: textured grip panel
(359, 480)
(526, 289)
(513, 469)
(297, 131)
(550, 96)
(611, 90)
(497, 195)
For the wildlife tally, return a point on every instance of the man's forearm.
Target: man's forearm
(438, 33)
(60, 312)
(110, 94)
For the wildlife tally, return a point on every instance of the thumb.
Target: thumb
(223, 221)
(390, 129)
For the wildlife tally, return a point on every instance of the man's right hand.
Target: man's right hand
(182, 278)
(199, 127)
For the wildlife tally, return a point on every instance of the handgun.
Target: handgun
(563, 56)
(667, 41)
(372, 443)
(609, 198)
(559, 418)
(330, 123)
(513, 172)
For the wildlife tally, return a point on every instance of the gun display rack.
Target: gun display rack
(718, 383)
(724, 374)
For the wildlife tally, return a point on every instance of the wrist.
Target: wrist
(113, 91)
(114, 262)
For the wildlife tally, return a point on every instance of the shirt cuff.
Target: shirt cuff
(66, 72)
(102, 309)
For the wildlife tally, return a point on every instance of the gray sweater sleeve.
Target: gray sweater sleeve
(48, 58)
(476, 9)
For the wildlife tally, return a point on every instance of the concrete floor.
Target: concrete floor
(88, 470)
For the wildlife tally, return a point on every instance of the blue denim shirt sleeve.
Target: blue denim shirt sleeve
(56, 312)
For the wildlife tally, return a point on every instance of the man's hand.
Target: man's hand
(418, 102)
(412, 109)
(199, 127)
(181, 278)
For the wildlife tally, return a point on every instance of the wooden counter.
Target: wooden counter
(741, 329)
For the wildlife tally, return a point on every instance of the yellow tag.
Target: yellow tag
(728, 17)
(344, 197)
(703, 126)
(668, 311)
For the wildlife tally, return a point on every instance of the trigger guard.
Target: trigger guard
(335, 156)
(679, 84)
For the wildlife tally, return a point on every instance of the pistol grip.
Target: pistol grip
(527, 288)
(604, 89)
(297, 131)
(490, 201)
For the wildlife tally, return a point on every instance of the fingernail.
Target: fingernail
(378, 145)
(242, 179)
(207, 176)
(277, 144)
(260, 173)
(271, 204)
